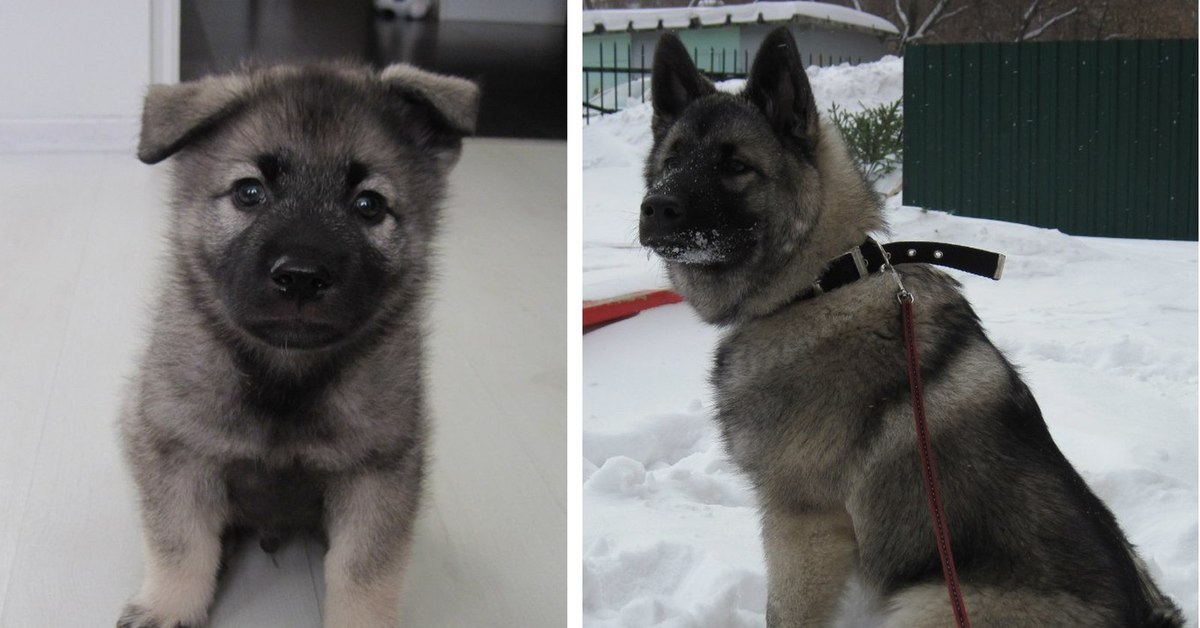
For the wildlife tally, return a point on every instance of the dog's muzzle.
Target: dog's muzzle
(676, 235)
(301, 278)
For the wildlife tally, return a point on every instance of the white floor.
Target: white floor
(79, 242)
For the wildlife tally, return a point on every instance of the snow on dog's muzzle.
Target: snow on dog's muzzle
(677, 235)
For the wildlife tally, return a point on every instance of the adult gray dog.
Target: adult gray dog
(749, 199)
(282, 390)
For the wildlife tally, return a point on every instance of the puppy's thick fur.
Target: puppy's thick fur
(282, 389)
(749, 197)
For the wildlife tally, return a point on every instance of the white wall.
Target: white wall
(517, 11)
(74, 71)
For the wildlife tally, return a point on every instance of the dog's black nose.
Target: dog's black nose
(662, 211)
(300, 278)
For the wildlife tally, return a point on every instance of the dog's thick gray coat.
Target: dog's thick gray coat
(749, 196)
(282, 389)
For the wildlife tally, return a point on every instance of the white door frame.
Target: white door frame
(164, 41)
(102, 133)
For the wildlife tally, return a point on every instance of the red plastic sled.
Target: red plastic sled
(602, 312)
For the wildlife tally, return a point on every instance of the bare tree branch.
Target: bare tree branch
(954, 13)
(1020, 20)
(930, 19)
(903, 19)
(1026, 20)
(1041, 29)
(1028, 15)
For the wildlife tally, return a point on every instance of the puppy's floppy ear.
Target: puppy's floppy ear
(174, 115)
(780, 88)
(453, 101)
(674, 83)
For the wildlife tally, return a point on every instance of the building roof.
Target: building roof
(618, 20)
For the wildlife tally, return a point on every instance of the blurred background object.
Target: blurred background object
(517, 51)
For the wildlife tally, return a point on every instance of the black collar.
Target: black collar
(865, 259)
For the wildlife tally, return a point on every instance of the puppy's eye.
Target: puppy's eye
(371, 206)
(670, 163)
(248, 193)
(734, 166)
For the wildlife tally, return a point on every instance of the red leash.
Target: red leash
(928, 469)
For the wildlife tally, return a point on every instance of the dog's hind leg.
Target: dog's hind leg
(371, 516)
(928, 606)
(810, 556)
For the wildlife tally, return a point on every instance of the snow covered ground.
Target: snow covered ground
(1104, 330)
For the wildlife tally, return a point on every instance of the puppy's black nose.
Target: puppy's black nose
(300, 278)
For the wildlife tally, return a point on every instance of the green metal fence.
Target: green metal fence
(1092, 138)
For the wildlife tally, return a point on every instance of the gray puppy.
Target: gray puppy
(750, 197)
(282, 391)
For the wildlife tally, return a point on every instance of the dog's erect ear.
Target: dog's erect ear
(674, 84)
(173, 115)
(779, 87)
(453, 102)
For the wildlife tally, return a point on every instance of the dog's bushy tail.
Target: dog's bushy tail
(1162, 611)
(1169, 617)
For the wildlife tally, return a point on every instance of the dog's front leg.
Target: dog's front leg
(810, 556)
(370, 520)
(183, 512)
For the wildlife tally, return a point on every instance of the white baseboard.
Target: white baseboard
(66, 135)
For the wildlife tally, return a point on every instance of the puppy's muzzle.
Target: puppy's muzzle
(301, 278)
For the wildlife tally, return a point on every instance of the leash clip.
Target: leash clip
(903, 296)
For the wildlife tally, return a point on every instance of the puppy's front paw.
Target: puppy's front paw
(136, 616)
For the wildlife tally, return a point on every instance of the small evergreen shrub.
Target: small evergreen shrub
(873, 136)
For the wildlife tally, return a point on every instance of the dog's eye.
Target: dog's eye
(670, 163)
(734, 166)
(249, 192)
(370, 205)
